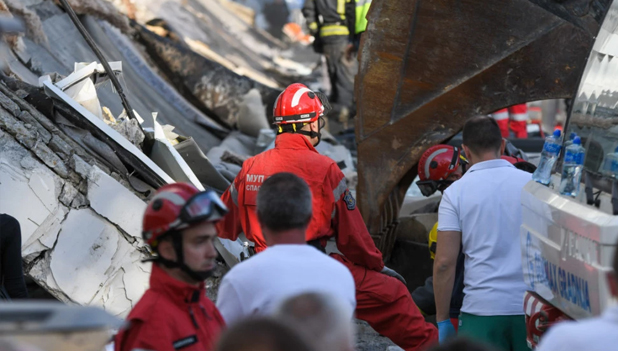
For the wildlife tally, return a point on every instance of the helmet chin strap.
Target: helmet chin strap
(312, 134)
(180, 262)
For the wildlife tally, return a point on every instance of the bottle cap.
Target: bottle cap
(557, 133)
(577, 140)
(573, 135)
(616, 150)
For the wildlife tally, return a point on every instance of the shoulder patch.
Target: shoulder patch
(184, 342)
(349, 200)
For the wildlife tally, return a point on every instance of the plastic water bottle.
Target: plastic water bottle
(549, 155)
(610, 165)
(570, 141)
(572, 168)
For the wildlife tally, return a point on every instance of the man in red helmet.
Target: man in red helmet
(174, 313)
(438, 168)
(382, 300)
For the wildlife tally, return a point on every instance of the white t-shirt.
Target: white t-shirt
(484, 205)
(257, 286)
(595, 334)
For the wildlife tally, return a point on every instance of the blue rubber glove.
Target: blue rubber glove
(446, 330)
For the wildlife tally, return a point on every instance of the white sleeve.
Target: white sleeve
(229, 303)
(448, 214)
(558, 339)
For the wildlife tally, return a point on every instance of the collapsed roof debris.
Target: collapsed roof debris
(76, 172)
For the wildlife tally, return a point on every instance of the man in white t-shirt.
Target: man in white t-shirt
(289, 266)
(481, 213)
(595, 334)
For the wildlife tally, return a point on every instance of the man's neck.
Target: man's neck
(288, 237)
(179, 275)
(488, 156)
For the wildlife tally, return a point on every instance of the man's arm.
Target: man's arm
(353, 239)
(229, 227)
(140, 336)
(444, 271)
(311, 15)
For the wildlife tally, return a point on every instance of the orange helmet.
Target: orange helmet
(438, 162)
(175, 207)
(297, 104)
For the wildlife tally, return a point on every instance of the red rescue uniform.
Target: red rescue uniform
(515, 117)
(382, 301)
(172, 315)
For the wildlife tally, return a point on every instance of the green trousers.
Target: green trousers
(506, 333)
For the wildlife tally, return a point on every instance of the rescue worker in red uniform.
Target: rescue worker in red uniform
(515, 117)
(382, 300)
(174, 313)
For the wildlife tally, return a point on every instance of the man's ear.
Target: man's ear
(166, 250)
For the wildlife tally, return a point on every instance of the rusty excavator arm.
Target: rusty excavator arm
(428, 65)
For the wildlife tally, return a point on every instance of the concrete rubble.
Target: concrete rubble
(76, 171)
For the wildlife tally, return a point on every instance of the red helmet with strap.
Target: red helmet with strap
(438, 162)
(297, 104)
(175, 207)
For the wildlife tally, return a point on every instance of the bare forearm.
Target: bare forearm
(443, 280)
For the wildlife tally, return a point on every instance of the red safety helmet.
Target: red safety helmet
(436, 164)
(175, 207)
(297, 104)
(439, 162)
(520, 163)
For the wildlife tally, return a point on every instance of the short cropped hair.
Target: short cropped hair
(284, 203)
(482, 134)
(262, 333)
(324, 319)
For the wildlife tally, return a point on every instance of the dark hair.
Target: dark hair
(284, 203)
(462, 344)
(525, 166)
(262, 334)
(482, 134)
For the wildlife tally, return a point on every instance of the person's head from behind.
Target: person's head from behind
(324, 319)
(462, 344)
(262, 334)
(179, 226)
(284, 209)
(439, 167)
(482, 140)
(300, 110)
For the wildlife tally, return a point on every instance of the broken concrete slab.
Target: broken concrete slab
(115, 202)
(45, 236)
(80, 273)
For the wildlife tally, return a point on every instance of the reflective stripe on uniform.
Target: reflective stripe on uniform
(334, 29)
(520, 117)
(234, 194)
(341, 8)
(340, 189)
(500, 115)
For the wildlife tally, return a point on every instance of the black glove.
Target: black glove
(392, 273)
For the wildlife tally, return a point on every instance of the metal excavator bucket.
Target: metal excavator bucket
(427, 66)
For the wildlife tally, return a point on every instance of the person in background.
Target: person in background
(594, 334)
(324, 319)
(382, 298)
(288, 266)
(438, 168)
(262, 334)
(11, 271)
(514, 117)
(174, 313)
(481, 215)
